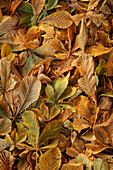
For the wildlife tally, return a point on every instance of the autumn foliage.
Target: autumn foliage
(56, 85)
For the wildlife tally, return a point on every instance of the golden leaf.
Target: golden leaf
(50, 160)
(98, 50)
(60, 19)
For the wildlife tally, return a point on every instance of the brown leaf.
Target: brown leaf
(104, 131)
(86, 67)
(62, 53)
(96, 148)
(37, 7)
(27, 93)
(86, 109)
(50, 160)
(14, 5)
(92, 4)
(71, 166)
(26, 40)
(6, 160)
(102, 38)
(72, 152)
(109, 66)
(80, 124)
(60, 19)
(8, 23)
(81, 39)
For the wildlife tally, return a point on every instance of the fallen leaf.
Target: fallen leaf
(6, 160)
(51, 130)
(37, 7)
(71, 166)
(86, 67)
(60, 19)
(30, 121)
(4, 122)
(27, 93)
(26, 40)
(83, 158)
(50, 160)
(81, 39)
(14, 5)
(8, 23)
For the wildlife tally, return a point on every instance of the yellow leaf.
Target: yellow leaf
(60, 86)
(98, 50)
(6, 50)
(50, 160)
(60, 19)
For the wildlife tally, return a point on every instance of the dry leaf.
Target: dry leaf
(37, 7)
(81, 39)
(86, 67)
(26, 40)
(6, 160)
(27, 93)
(71, 166)
(60, 19)
(50, 160)
(14, 5)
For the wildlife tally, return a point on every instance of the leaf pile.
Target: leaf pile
(56, 84)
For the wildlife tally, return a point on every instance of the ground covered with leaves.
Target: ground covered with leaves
(56, 84)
